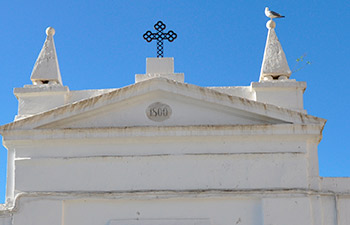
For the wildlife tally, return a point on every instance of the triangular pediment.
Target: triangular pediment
(161, 102)
(161, 108)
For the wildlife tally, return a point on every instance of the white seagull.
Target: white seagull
(272, 14)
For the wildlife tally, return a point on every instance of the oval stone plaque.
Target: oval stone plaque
(158, 112)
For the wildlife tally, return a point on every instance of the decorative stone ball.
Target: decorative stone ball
(50, 31)
(282, 77)
(268, 78)
(270, 24)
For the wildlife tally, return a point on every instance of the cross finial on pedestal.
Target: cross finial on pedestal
(160, 36)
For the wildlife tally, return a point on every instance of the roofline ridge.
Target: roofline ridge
(90, 102)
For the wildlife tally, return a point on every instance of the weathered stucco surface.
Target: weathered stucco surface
(274, 65)
(46, 69)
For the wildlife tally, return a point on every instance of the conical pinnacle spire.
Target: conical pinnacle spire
(46, 69)
(274, 65)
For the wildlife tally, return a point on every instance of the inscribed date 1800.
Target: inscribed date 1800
(158, 111)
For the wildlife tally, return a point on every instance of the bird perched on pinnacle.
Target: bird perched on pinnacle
(272, 14)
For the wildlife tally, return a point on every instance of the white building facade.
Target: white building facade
(165, 152)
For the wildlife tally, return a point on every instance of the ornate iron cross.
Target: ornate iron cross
(160, 36)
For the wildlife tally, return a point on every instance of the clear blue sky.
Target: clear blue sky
(220, 43)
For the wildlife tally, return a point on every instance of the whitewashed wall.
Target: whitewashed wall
(223, 157)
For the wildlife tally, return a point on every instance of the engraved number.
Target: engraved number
(158, 111)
